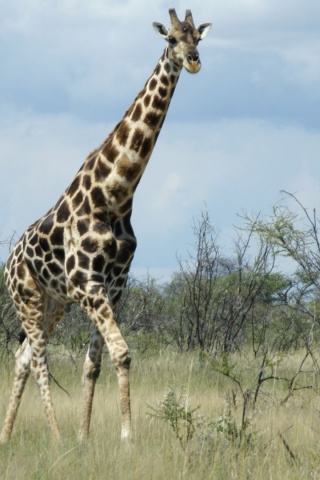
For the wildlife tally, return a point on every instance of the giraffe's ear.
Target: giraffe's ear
(160, 29)
(203, 29)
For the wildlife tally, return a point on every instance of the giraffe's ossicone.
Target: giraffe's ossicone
(81, 250)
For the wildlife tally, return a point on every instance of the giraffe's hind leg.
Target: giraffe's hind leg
(22, 371)
(38, 317)
(38, 333)
(91, 372)
(99, 310)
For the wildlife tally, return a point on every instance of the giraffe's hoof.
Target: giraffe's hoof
(4, 439)
(126, 435)
(83, 436)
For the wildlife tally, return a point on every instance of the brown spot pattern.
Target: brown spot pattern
(122, 133)
(136, 140)
(128, 169)
(137, 113)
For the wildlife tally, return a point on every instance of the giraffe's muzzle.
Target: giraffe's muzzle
(192, 63)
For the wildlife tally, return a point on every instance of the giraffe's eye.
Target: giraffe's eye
(172, 40)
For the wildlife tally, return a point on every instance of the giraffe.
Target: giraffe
(81, 249)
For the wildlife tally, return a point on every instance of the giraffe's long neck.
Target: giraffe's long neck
(120, 161)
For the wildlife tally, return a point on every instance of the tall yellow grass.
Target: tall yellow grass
(285, 438)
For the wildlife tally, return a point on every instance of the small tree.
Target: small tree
(211, 298)
(295, 235)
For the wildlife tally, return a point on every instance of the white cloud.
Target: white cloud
(39, 157)
(229, 166)
(252, 16)
(287, 30)
(303, 59)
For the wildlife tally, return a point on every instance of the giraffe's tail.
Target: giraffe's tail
(22, 336)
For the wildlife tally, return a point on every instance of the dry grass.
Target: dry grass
(284, 442)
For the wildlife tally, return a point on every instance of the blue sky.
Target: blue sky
(244, 128)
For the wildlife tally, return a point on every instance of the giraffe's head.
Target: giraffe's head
(183, 38)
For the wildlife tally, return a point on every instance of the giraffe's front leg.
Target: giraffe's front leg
(101, 314)
(119, 353)
(122, 364)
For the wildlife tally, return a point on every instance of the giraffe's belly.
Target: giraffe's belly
(103, 268)
(68, 266)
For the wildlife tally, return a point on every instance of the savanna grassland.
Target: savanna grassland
(277, 438)
(225, 372)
